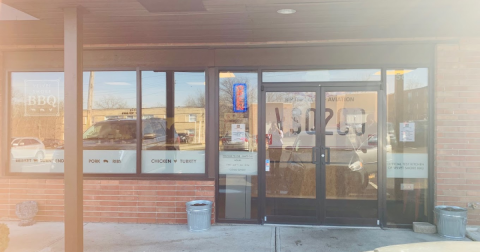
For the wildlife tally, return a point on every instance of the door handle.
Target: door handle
(327, 149)
(314, 154)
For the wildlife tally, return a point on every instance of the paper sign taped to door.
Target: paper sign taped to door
(407, 132)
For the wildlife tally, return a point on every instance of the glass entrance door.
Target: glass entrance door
(351, 152)
(291, 153)
(321, 171)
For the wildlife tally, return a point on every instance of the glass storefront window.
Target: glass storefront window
(172, 135)
(238, 135)
(323, 75)
(173, 124)
(407, 155)
(109, 112)
(36, 120)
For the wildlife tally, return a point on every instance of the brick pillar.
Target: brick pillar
(458, 126)
(73, 175)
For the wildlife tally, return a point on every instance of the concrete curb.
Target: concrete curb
(473, 235)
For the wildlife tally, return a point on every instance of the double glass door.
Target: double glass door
(321, 157)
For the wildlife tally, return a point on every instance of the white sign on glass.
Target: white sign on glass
(238, 163)
(124, 161)
(238, 133)
(99, 161)
(174, 162)
(407, 165)
(407, 132)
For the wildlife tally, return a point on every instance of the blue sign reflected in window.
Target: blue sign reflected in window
(240, 98)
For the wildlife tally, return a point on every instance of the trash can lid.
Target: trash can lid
(199, 203)
(451, 208)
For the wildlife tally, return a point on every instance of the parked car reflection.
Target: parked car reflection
(121, 135)
(391, 134)
(184, 138)
(52, 143)
(244, 144)
(27, 147)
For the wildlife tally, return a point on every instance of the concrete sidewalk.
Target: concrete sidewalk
(48, 237)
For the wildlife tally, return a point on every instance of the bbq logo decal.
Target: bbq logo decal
(42, 97)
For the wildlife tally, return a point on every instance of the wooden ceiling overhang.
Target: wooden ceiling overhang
(242, 22)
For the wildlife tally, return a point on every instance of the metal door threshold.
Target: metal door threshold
(322, 226)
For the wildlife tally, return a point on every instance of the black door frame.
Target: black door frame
(320, 89)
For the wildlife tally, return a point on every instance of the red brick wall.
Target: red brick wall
(132, 201)
(458, 126)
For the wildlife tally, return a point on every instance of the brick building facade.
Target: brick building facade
(457, 161)
(261, 90)
(457, 126)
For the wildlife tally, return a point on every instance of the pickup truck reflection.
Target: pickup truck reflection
(120, 135)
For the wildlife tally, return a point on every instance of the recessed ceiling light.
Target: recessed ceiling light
(286, 11)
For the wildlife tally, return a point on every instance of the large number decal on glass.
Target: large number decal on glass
(296, 113)
(351, 119)
(330, 115)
